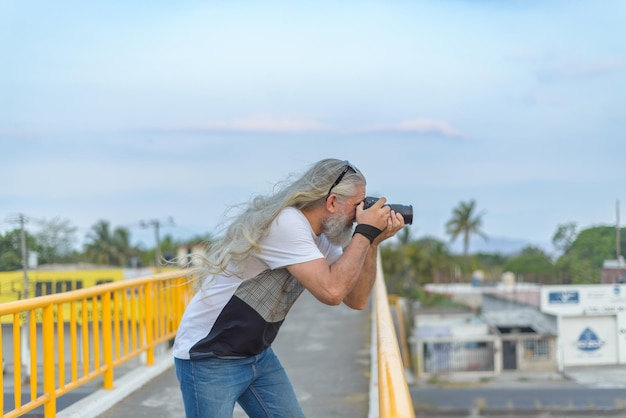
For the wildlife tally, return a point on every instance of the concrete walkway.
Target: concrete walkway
(325, 350)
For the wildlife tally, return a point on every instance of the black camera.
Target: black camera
(405, 210)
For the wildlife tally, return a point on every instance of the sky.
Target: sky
(155, 110)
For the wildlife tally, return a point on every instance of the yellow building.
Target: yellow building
(47, 282)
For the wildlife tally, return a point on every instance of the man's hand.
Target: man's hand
(377, 215)
(395, 222)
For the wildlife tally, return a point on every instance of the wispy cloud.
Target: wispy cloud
(420, 126)
(266, 124)
(255, 124)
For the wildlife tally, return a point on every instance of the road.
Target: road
(519, 398)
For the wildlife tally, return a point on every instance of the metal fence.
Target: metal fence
(455, 356)
(54, 344)
(441, 355)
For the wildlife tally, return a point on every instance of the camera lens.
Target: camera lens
(405, 210)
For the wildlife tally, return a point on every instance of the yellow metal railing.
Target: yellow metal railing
(57, 343)
(394, 399)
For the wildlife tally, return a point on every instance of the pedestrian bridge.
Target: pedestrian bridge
(104, 352)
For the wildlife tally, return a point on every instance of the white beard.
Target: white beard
(338, 229)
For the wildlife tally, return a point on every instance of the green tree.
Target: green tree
(10, 251)
(583, 260)
(466, 222)
(533, 264)
(407, 265)
(564, 237)
(404, 236)
(55, 240)
(399, 260)
(108, 247)
(435, 258)
(490, 263)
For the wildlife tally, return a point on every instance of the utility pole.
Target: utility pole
(617, 235)
(22, 220)
(25, 295)
(156, 224)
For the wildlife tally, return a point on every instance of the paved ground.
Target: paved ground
(595, 377)
(324, 349)
(577, 392)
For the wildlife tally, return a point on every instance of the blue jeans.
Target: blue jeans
(259, 384)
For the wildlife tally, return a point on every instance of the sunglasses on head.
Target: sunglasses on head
(345, 170)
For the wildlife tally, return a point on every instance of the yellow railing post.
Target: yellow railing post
(95, 332)
(50, 405)
(32, 349)
(84, 330)
(17, 361)
(73, 341)
(107, 341)
(61, 345)
(149, 298)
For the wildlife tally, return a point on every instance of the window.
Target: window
(536, 349)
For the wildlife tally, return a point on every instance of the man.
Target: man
(300, 237)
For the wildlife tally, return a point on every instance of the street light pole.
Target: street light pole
(617, 234)
(157, 253)
(25, 295)
(25, 345)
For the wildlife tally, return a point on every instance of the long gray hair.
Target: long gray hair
(243, 233)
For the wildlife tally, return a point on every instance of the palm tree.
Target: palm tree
(465, 221)
(437, 255)
(106, 247)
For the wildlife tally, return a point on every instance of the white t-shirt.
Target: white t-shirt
(235, 318)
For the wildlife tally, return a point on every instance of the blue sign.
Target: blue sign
(566, 296)
(589, 341)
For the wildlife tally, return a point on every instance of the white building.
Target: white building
(591, 322)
